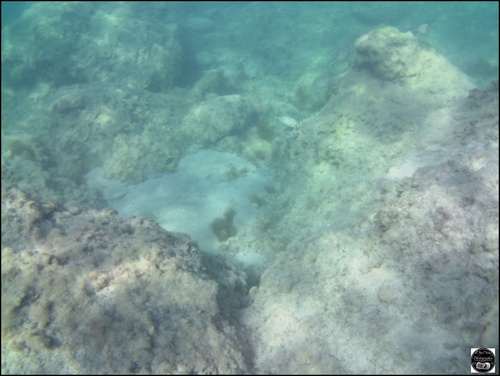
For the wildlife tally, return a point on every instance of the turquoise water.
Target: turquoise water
(465, 32)
(336, 165)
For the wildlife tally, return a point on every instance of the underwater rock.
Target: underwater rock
(37, 46)
(105, 124)
(84, 291)
(213, 81)
(212, 120)
(64, 43)
(384, 263)
(401, 58)
(386, 52)
(127, 161)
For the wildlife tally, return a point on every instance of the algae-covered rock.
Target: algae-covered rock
(213, 82)
(126, 131)
(212, 120)
(401, 59)
(37, 47)
(394, 56)
(84, 291)
(389, 259)
(96, 124)
(387, 52)
(71, 42)
(135, 157)
(145, 54)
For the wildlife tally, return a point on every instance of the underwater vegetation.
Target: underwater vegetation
(223, 227)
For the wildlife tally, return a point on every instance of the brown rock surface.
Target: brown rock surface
(84, 291)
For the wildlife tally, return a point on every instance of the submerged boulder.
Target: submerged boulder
(66, 43)
(391, 55)
(84, 291)
(211, 120)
